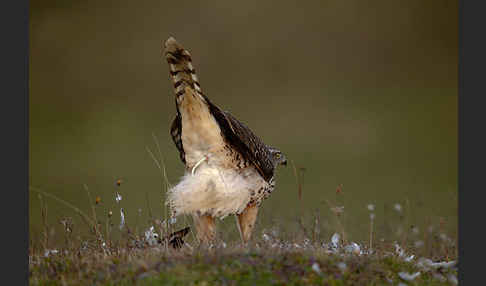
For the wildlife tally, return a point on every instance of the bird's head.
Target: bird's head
(278, 158)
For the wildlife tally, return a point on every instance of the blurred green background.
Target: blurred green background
(359, 93)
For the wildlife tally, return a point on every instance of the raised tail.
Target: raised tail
(181, 70)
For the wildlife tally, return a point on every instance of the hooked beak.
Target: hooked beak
(284, 163)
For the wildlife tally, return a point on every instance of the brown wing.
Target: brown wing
(175, 132)
(175, 239)
(243, 140)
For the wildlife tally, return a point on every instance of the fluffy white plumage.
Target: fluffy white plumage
(214, 191)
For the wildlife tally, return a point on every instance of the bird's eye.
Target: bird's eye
(277, 155)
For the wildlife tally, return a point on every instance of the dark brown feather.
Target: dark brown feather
(244, 141)
(175, 132)
(175, 239)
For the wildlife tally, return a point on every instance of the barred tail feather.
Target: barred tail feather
(181, 70)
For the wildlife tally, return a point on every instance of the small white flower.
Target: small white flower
(407, 276)
(424, 263)
(353, 248)
(266, 237)
(122, 219)
(371, 207)
(172, 220)
(335, 240)
(401, 253)
(397, 207)
(410, 258)
(316, 268)
(118, 197)
(149, 232)
(48, 252)
(306, 242)
(443, 264)
(398, 250)
(151, 237)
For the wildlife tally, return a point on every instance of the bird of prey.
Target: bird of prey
(228, 169)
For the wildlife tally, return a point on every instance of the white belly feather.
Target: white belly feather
(214, 191)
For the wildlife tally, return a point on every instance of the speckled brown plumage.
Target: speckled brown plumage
(203, 133)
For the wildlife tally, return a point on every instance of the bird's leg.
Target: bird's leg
(205, 228)
(246, 221)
